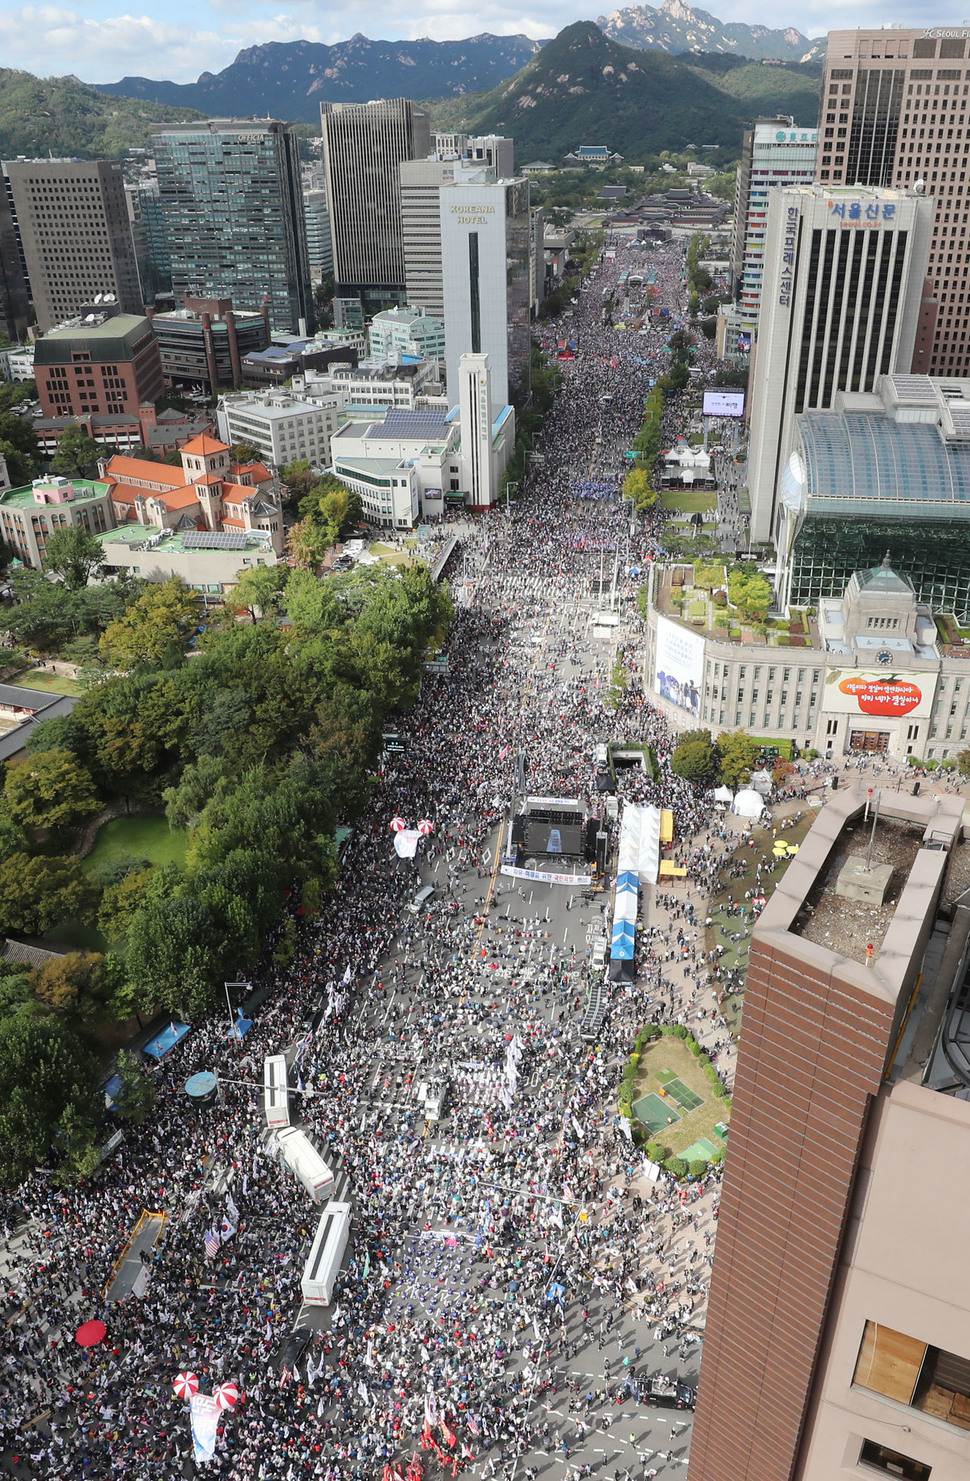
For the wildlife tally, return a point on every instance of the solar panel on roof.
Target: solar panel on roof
(216, 540)
(414, 424)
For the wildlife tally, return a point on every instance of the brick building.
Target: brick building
(98, 366)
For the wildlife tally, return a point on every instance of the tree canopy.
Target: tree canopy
(74, 554)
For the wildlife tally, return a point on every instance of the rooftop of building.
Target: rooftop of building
(270, 406)
(204, 446)
(141, 537)
(408, 317)
(103, 338)
(83, 488)
(191, 318)
(891, 931)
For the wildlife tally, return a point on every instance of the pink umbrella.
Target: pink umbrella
(89, 1334)
(425, 826)
(185, 1385)
(226, 1395)
(398, 825)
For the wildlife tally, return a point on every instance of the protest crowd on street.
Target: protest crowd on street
(515, 1288)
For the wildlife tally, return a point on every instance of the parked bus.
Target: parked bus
(326, 1255)
(276, 1092)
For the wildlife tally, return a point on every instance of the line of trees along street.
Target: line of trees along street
(259, 746)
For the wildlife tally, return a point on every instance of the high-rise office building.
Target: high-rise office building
(421, 184)
(894, 112)
(318, 244)
(485, 258)
(14, 291)
(364, 145)
(843, 279)
(773, 153)
(836, 1334)
(230, 190)
(76, 235)
(150, 236)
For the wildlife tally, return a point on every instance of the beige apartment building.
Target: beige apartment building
(894, 112)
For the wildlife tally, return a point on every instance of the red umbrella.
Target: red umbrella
(185, 1385)
(89, 1334)
(398, 825)
(226, 1395)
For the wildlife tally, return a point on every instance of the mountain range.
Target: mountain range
(676, 27)
(583, 88)
(290, 79)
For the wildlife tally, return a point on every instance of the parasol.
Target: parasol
(89, 1334)
(226, 1395)
(185, 1385)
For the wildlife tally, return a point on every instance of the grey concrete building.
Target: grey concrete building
(364, 145)
(76, 235)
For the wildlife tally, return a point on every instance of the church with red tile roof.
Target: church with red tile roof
(208, 492)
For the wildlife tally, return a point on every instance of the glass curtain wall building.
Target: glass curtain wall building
(231, 193)
(883, 473)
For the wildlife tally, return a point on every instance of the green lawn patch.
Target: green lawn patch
(389, 555)
(44, 679)
(784, 745)
(688, 501)
(146, 837)
(675, 1100)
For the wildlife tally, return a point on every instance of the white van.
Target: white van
(426, 893)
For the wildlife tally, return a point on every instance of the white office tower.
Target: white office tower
(421, 184)
(844, 270)
(485, 250)
(487, 441)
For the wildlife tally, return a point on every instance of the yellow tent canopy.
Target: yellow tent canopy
(666, 825)
(671, 871)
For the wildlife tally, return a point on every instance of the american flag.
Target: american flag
(212, 1243)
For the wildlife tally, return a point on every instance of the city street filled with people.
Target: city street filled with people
(518, 1297)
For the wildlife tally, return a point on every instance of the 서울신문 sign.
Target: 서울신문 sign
(863, 213)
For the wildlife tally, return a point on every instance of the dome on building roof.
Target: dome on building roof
(883, 578)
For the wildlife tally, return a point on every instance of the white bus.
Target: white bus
(305, 1162)
(326, 1255)
(276, 1092)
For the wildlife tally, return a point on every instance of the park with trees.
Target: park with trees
(252, 751)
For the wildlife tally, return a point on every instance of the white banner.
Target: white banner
(541, 876)
(204, 1415)
(406, 843)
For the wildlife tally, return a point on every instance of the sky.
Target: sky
(102, 40)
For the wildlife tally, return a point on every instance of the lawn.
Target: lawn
(44, 679)
(389, 554)
(667, 1065)
(136, 838)
(688, 501)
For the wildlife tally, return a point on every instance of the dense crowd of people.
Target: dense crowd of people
(489, 1253)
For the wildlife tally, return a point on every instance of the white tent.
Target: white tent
(748, 804)
(723, 794)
